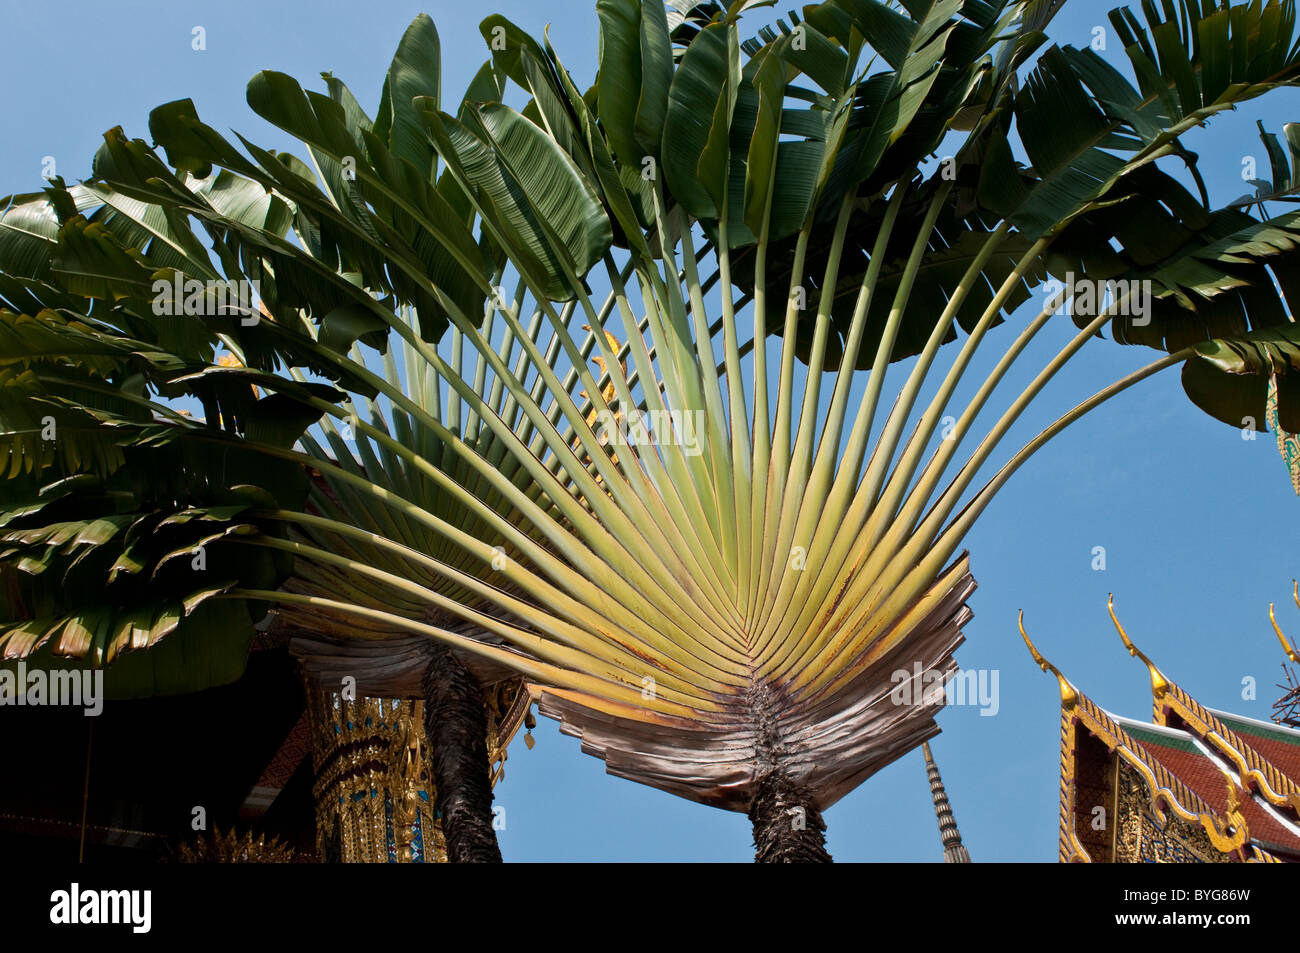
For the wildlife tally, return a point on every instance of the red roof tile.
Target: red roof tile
(1207, 779)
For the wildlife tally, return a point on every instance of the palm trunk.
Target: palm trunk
(788, 827)
(455, 725)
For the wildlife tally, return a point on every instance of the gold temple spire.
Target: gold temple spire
(1069, 695)
(1159, 684)
(953, 851)
(1286, 710)
(1287, 647)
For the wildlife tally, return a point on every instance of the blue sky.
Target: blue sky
(1197, 523)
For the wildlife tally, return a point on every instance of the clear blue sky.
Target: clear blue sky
(1197, 523)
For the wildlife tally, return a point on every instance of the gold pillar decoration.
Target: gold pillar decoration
(375, 799)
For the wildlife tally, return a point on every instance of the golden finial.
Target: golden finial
(1287, 647)
(1159, 684)
(1069, 697)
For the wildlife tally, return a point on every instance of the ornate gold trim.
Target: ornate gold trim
(1228, 834)
(1071, 849)
(1163, 787)
(1254, 769)
(1142, 840)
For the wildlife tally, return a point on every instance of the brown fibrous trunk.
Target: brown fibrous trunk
(455, 725)
(788, 827)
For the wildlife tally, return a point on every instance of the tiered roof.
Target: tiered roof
(1236, 778)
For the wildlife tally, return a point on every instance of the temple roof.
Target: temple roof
(1280, 745)
(1265, 755)
(1237, 777)
(1210, 779)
